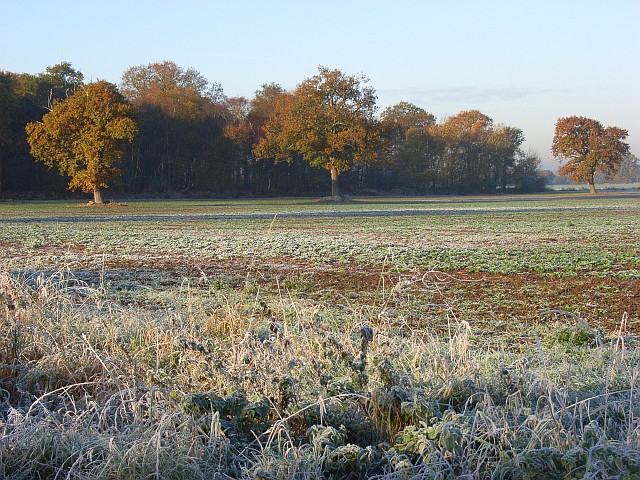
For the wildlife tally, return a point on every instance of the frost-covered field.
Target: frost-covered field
(557, 235)
(601, 187)
(479, 337)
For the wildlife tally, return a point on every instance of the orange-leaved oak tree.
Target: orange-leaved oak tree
(85, 136)
(328, 120)
(588, 148)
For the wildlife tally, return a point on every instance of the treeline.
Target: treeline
(193, 139)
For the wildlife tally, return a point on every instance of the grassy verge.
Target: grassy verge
(236, 385)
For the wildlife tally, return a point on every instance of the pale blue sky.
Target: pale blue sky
(524, 64)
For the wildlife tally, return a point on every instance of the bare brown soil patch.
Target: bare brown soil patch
(513, 301)
(601, 301)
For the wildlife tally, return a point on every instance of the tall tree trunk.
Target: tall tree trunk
(97, 196)
(335, 189)
(592, 186)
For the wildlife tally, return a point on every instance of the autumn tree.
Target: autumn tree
(85, 136)
(244, 122)
(503, 154)
(395, 123)
(328, 120)
(464, 164)
(263, 103)
(176, 90)
(588, 147)
(398, 119)
(181, 119)
(408, 148)
(240, 130)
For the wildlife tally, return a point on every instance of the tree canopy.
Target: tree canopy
(180, 139)
(194, 140)
(328, 120)
(85, 136)
(588, 147)
(167, 82)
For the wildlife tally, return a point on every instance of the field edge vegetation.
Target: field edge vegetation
(238, 384)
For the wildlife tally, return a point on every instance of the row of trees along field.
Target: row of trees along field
(166, 129)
